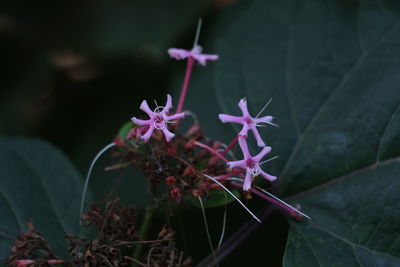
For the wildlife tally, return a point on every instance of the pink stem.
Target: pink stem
(229, 147)
(22, 263)
(266, 197)
(210, 149)
(221, 177)
(188, 74)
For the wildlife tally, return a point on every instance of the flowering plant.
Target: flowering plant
(331, 70)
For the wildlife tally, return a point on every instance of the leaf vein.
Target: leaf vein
(329, 97)
(344, 177)
(353, 245)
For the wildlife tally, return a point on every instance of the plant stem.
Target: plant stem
(210, 149)
(229, 147)
(236, 239)
(225, 176)
(188, 74)
(144, 227)
(288, 210)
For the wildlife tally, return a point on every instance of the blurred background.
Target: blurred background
(73, 72)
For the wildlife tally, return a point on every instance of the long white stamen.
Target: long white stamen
(261, 125)
(88, 176)
(265, 161)
(240, 202)
(192, 115)
(272, 196)
(283, 202)
(207, 231)
(196, 38)
(265, 106)
(273, 124)
(223, 223)
(157, 109)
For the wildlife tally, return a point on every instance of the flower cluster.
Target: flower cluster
(250, 163)
(160, 118)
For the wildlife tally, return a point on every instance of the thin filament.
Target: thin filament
(196, 38)
(89, 173)
(274, 197)
(283, 202)
(265, 106)
(265, 161)
(240, 202)
(223, 222)
(207, 230)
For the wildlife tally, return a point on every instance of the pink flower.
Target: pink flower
(23, 263)
(251, 164)
(249, 123)
(159, 119)
(195, 53)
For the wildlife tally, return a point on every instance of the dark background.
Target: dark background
(73, 72)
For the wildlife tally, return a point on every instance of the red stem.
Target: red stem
(291, 212)
(188, 74)
(229, 147)
(210, 149)
(221, 177)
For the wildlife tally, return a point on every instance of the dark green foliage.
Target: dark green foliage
(332, 69)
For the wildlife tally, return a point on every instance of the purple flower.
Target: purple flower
(159, 119)
(251, 164)
(249, 123)
(195, 53)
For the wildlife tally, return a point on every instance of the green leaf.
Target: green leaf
(331, 68)
(216, 198)
(125, 129)
(37, 184)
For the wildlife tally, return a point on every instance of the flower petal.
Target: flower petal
(229, 118)
(140, 122)
(176, 116)
(257, 136)
(265, 119)
(237, 163)
(168, 135)
(243, 107)
(262, 154)
(202, 58)
(178, 54)
(148, 133)
(243, 145)
(145, 107)
(267, 176)
(244, 130)
(168, 105)
(247, 181)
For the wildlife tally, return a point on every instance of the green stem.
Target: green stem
(144, 227)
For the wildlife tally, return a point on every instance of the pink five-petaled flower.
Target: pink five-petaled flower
(251, 164)
(195, 53)
(249, 123)
(24, 263)
(159, 119)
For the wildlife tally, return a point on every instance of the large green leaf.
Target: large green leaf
(38, 184)
(331, 68)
